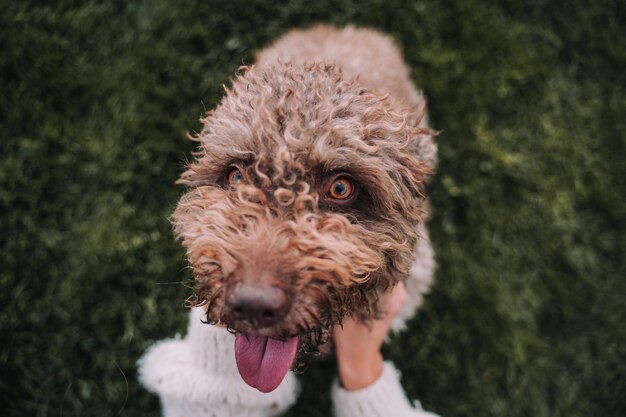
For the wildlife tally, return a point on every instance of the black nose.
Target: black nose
(258, 304)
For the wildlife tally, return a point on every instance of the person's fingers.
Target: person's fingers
(393, 302)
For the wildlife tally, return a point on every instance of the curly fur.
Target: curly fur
(315, 105)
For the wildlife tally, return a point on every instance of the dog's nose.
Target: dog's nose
(259, 304)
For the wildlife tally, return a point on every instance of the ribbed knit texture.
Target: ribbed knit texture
(384, 398)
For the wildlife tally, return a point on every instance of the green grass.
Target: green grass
(528, 314)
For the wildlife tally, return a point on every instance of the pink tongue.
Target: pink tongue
(263, 362)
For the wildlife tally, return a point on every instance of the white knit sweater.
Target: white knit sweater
(197, 376)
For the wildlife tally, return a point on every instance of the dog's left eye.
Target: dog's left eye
(235, 177)
(341, 189)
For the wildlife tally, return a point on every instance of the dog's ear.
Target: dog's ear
(419, 156)
(416, 166)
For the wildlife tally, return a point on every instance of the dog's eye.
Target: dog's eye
(235, 176)
(341, 189)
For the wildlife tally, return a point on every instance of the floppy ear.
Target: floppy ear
(417, 163)
(421, 157)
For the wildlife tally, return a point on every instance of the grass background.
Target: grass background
(528, 317)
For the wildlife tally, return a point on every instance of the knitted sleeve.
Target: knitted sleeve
(197, 377)
(385, 397)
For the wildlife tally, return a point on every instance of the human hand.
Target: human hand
(357, 345)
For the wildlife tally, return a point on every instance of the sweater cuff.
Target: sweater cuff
(385, 397)
(197, 376)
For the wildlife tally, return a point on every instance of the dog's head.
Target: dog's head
(302, 208)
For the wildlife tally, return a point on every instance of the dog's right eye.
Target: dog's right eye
(235, 176)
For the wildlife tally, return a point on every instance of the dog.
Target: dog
(306, 199)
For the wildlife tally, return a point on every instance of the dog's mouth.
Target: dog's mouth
(266, 348)
(262, 361)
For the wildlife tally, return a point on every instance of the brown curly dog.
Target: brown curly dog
(306, 199)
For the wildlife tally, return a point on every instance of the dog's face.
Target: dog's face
(302, 208)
